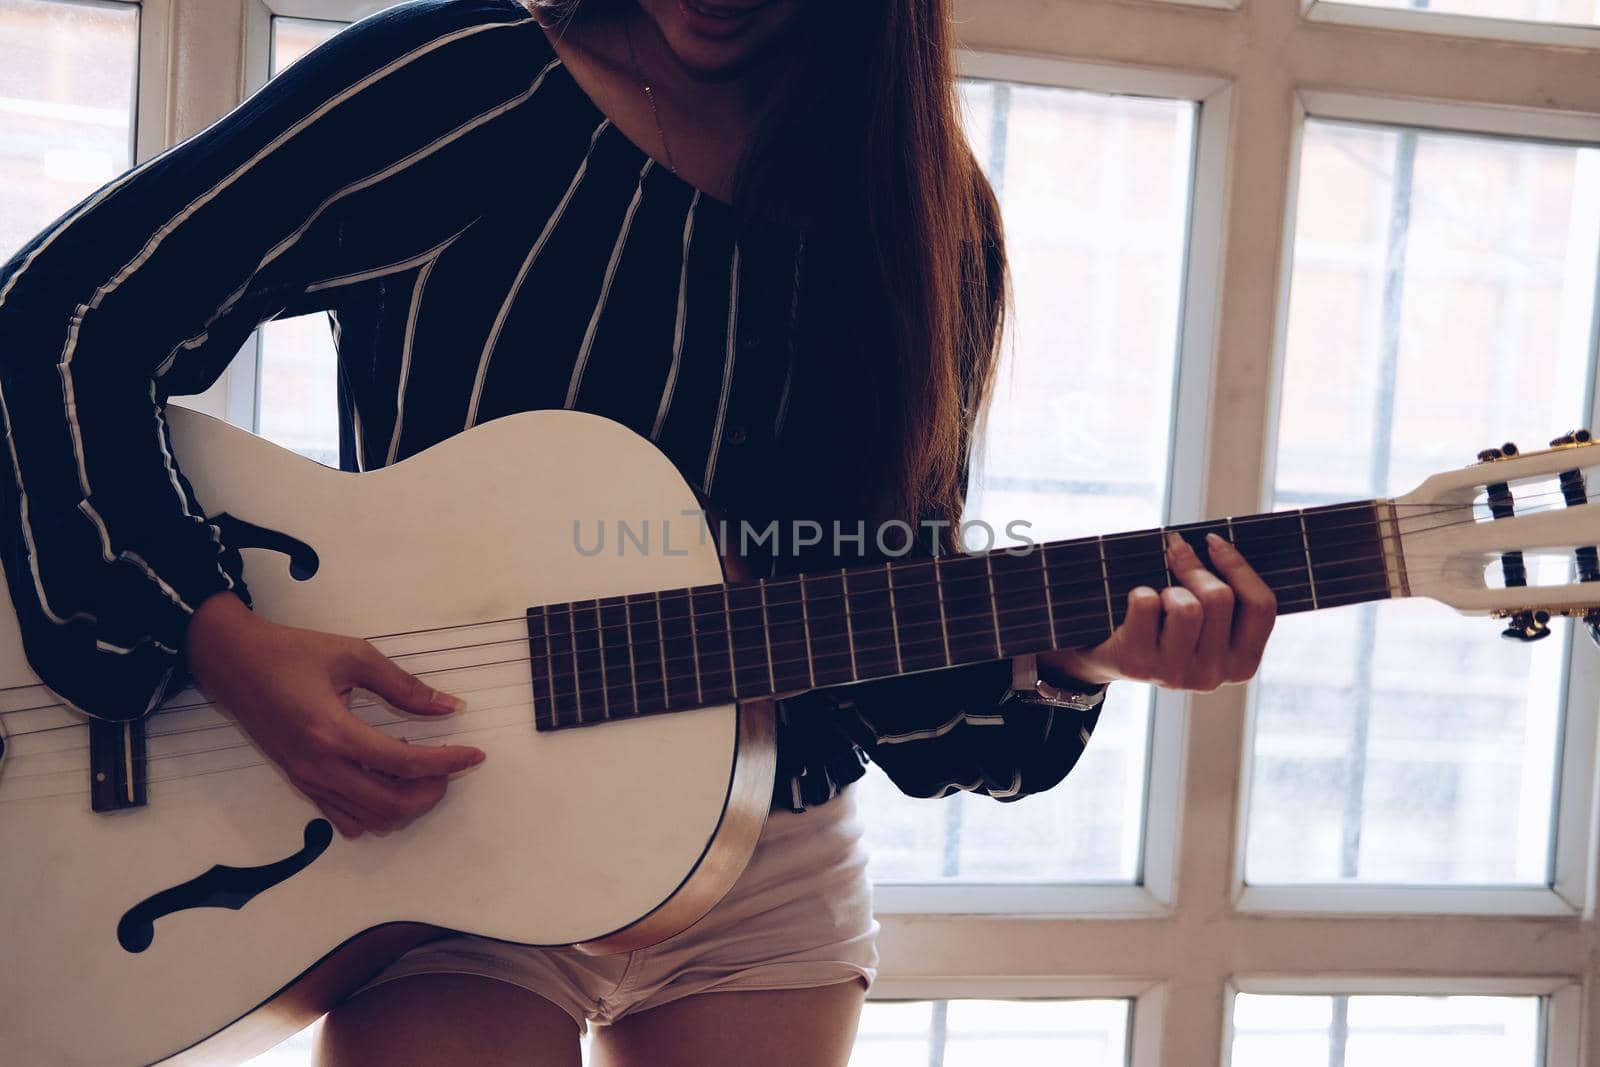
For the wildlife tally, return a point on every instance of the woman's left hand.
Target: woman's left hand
(1199, 634)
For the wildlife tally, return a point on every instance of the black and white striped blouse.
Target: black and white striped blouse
(484, 242)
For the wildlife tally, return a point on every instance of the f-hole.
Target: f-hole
(220, 887)
(237, 533)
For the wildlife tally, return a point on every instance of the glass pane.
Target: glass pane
(1443, 301)
(1095, 193)
(1372, 1031)
(296, 394)
(1567, 12)
(68, 74)
(979, 1033)
(293, 38)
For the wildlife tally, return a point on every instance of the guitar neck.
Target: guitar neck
(678, 649)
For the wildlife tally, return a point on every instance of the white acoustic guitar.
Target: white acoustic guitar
(166, 893)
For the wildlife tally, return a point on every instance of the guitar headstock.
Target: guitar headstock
(1514, 536)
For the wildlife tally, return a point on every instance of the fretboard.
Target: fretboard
(679, 649)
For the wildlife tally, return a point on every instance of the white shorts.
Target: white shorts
(799, 916)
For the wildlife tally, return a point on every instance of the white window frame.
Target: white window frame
(1191, 934)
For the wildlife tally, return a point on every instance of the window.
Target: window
(67, 85)
(973, 1033)
(1370, 1031)
(297, 380)
(1443, 288)
(1097, 257)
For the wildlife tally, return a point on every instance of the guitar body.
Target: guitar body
(612, 837)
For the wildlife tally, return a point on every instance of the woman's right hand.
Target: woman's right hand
(290, 691)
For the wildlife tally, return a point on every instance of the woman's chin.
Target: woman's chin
(714, 47)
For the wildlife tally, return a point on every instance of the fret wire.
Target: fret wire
(1165, 564)
(600, 643)
(578, 685)
(894, 619)
(1311, 576)
(550, 667)
(1105, 578)
(1049, 601)
(994, 611)
(766, 633)
(694, 643)
(849, 627)
(805, 624)
(944, 623)
(733, 662)
(661, 636)
(633, 675)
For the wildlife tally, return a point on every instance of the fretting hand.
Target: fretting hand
(1205, 632)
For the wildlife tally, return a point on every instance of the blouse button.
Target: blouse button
(751, 342)
(738, 435)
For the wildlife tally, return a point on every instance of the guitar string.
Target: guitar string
(245, 743)
(1094, 599)
(520, 699)
(1098, 583)
(1293, 535)
(519, 722)
(522, 618)
(987, 611)
(1095, 584)
(519, 683)
(594, 691)
(1230, 523)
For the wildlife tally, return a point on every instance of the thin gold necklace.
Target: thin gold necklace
(649, 94)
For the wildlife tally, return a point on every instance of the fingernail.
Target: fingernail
(1175, 541)
(1217, 542)
(446, 702)
(476, 758)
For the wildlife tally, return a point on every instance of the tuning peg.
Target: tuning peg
(1591, 623)
(1488, 455)
(1574, 437)
(1528, 626)
(1509, 448)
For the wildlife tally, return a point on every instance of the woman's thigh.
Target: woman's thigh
(445, 1020)
(757, 1027)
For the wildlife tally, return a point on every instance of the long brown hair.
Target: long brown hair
(864, 145)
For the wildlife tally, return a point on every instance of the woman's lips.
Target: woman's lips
(717, 20)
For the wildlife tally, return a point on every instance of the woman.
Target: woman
(752, 232)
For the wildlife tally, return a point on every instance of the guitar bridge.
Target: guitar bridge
(116, 765)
